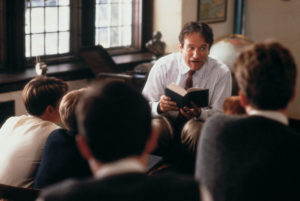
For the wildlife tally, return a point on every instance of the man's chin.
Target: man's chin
(195, 66)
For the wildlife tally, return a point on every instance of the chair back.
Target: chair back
(13, 193)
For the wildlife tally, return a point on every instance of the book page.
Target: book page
(195, 89)
(177, 89)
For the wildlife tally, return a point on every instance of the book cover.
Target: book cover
(184, 97)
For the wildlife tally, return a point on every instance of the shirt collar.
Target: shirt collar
(277, 116)
(120, 166)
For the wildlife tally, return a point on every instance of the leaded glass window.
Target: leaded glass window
(114, 23)
(47, 27)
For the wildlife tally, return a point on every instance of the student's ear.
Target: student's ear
(52, 113)
(243, 99)
(49, 109)
(151, 143)
(83, 147)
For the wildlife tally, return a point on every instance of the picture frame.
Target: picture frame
(211, 11)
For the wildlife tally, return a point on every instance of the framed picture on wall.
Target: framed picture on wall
(210, 11)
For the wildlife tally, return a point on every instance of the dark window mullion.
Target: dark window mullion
(88, 23)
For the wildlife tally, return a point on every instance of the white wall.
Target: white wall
(279, 20)
(171, 15)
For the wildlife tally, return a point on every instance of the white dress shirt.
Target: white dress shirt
(276, 116)
(22, 141)
(172, 68)
(125, 165)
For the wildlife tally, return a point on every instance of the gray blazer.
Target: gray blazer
(249, 158)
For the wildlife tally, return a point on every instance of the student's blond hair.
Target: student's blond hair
(67, 108)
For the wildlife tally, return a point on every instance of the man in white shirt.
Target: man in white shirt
(22, 138)
(254, 157)
(195, 42)
(115, 137)
(191, 67)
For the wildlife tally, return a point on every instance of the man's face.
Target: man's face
(195, 50)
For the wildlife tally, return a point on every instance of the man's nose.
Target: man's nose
(196, 53)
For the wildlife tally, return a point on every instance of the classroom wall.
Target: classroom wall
(278, 20)
(171, 15)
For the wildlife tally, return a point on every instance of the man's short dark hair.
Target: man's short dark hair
(197, 27)
(115, 119)
(266, 74)
(41, 92)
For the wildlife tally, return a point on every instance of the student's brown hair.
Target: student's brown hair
(41, 92)
(266, 74)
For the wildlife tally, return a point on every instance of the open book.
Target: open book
(184, 97)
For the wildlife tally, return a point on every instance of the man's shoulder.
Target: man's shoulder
(132, 185)
(218, 66)
(16, 122)
(248, 125)
(173, 179)
(219, 124)
(62, 134)
(169, 59)
(224, 119)
(61, 138)
(60, 191)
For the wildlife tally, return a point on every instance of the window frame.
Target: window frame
(12, 32)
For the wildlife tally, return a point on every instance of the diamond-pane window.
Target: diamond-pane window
(47, 27)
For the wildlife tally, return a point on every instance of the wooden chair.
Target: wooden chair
(13, 193)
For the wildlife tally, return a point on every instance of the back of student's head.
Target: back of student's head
(115, 119)
(67, 108)
(41, 92)
(266, 74)
(232, 106)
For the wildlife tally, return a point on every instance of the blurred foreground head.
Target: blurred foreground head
(115, 120)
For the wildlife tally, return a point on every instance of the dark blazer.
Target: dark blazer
(249, 158)
(61, 160)
(126, 187)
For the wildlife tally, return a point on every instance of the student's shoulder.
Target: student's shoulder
(66, 190)
(223, 118)
(223, 121)
(61, 138)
